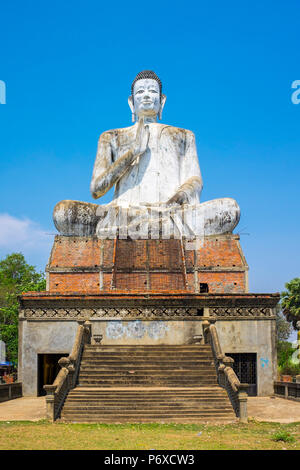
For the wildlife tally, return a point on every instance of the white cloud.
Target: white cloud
(27, 237)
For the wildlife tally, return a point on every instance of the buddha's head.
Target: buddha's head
(146, 96)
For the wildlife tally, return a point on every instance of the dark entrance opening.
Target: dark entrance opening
(203, 288)
(48, 369)
(245, 368)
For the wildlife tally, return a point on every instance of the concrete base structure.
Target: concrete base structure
(48, 326)
(87, 280)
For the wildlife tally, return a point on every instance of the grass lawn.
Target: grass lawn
(43, 435)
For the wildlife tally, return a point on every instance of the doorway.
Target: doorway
(48, 369)
(245, 368)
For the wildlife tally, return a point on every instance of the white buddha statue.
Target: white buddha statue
(155, 170)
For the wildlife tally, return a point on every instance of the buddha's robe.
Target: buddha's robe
(169, 165)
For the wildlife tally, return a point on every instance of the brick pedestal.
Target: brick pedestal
(90, 265)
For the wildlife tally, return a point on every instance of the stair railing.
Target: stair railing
(227, 378)
(66, 379)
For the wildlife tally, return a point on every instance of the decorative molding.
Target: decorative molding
(240, 312)
(108, 312)
(146, 313)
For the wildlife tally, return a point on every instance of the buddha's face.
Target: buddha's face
(146, 97)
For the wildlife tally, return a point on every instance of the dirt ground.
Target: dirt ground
(269, 409)
(276, 410)
(23, 409)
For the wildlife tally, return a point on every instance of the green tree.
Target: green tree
(290, 304)
(290, 301)
(283, 327)
(16, 276)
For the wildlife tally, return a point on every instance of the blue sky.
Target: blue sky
(227, 70)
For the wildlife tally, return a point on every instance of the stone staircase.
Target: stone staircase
(147, 384)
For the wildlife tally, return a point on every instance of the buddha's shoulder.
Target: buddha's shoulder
(115, 133)
(178, 131)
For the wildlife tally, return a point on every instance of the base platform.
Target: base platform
(148, 292)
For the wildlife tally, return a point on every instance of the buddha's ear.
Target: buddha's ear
(131, 106)
(130, 102)
(162, 103)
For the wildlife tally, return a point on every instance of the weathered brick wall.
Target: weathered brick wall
(131, 281)
(76, 251)
(90, 265)
(74, 282)
(223, 282)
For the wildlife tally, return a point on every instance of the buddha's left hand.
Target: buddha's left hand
(178, 198)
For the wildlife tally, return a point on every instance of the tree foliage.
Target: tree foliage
(16, 276)
(283, 327)
(290, 302)
(288, 364)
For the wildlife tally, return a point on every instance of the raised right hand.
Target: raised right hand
(141, 139)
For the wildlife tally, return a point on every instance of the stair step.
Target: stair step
(137, 398)
(180, 375)
(159, 352)
(198, 420)
(150, 350)
(153, 391)
(137, 385)
(175, 408)
(112, 385)
(151, 417)
(149, 403)
(148, 379)
(155, 364)
(105, 395)
(176, 376)
(144, 412)
(142, 398)
(146, 358)
(149, 368)
(147, 348)
(146, 373)
(138, 347)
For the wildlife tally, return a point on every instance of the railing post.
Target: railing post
(228, 361)
(286, 390)
(50, 389)
(88, 331)
(66, 363)
(243, 397)
(205, 328)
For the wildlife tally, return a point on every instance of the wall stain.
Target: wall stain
(136, 329)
